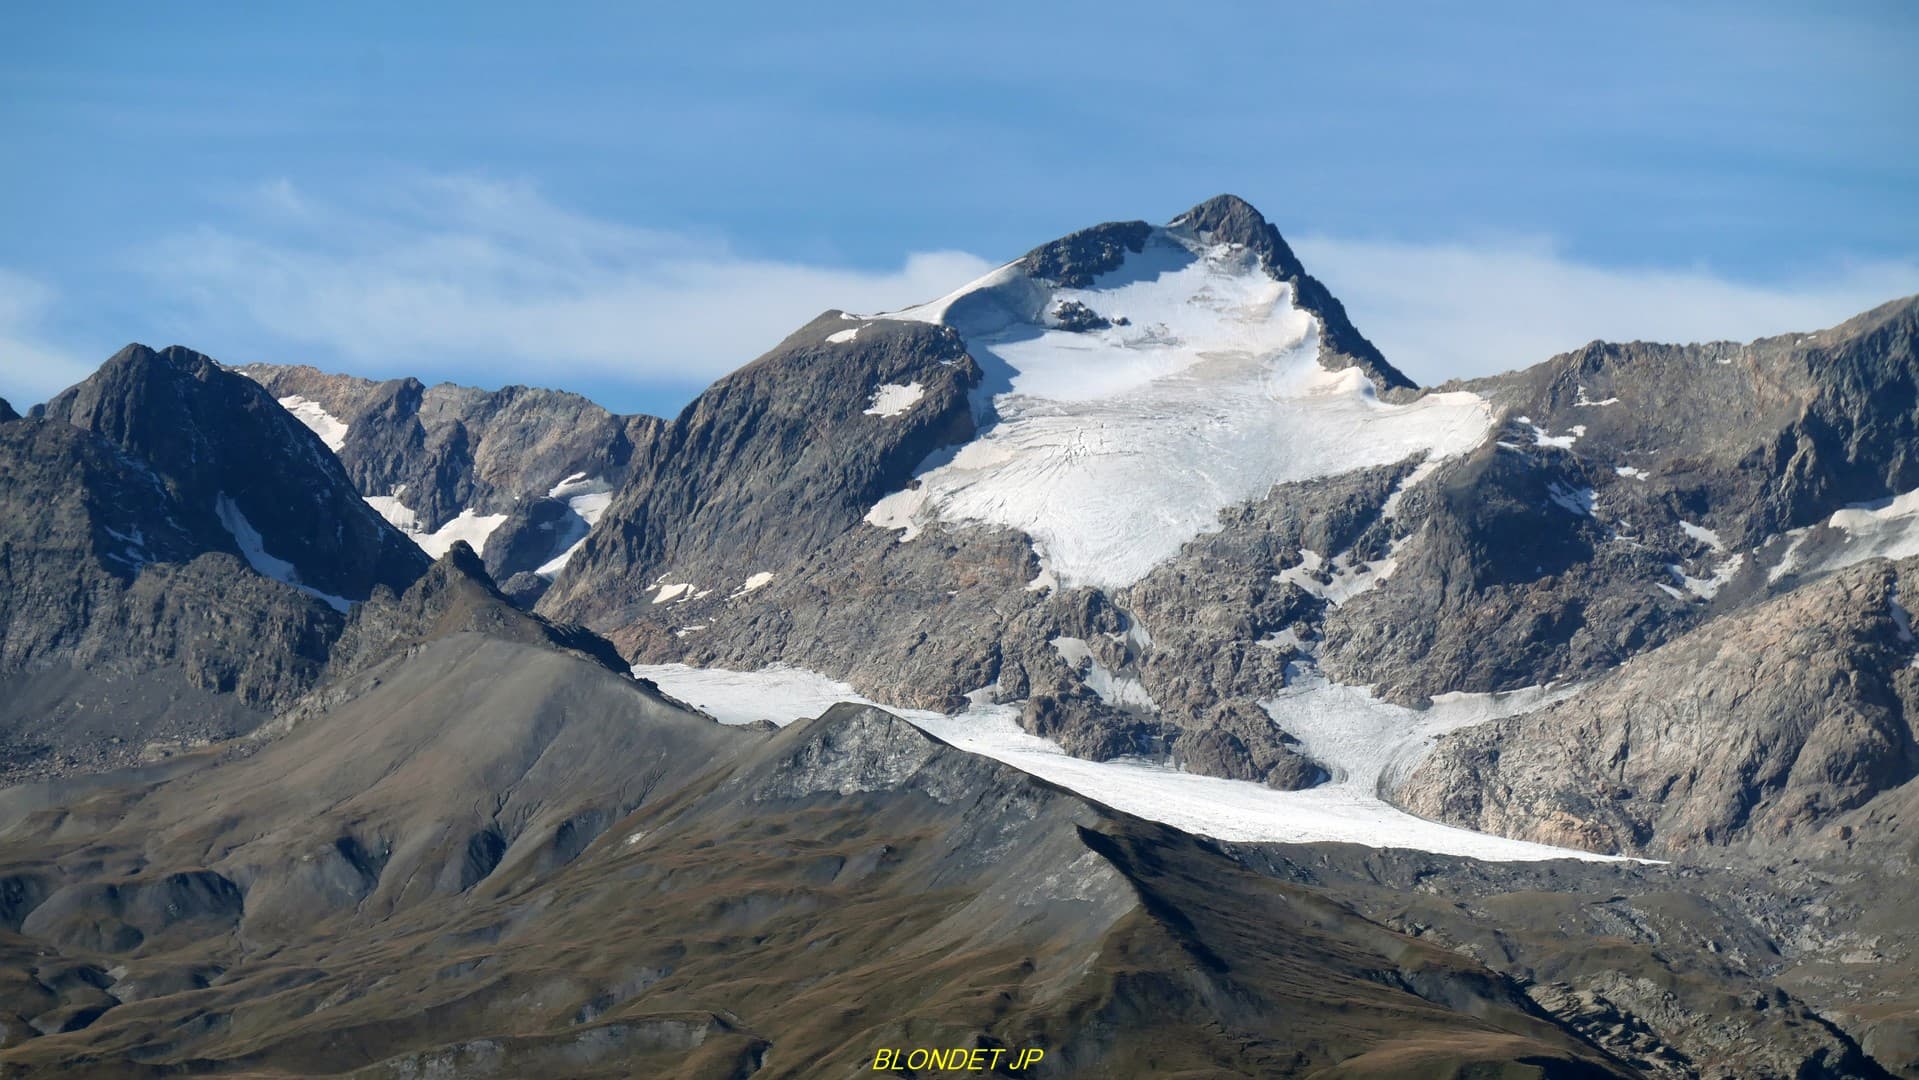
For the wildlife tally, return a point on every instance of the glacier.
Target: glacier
(1198, 388)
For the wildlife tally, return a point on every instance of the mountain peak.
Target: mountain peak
(456, 595)
(239, 460)
(1228, 217)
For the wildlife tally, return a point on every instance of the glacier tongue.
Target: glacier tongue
(1123, 417)
(1347, 811)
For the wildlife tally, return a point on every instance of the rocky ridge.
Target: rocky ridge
(527, 467)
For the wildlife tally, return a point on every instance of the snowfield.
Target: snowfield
(588, 498)
(322, 423)
(892, 399)
(468, 526)
(253, 548)
(1887, 529)
(1882, 529)
(1363, 741)
(1112, 447)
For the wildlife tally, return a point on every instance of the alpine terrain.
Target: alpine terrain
(1116, 658)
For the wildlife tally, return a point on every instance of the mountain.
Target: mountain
(176, 552)
(1797, 710)
(1116, 656)
(521, 474)
(351, 862)
(230, 456)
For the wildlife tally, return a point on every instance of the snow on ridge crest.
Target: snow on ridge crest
(331, 429)
(1185, 381)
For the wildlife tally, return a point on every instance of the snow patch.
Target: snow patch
(253, 549)
(1902, 620)
(1562, 442)
(322, 423)
(468, 526)
(1343, 578)
(135, 553)
(1581, 401)
(1113, 447)
(1370, 746)
(1707, 588)
(1789, 560)
(1390, 509)
(1573, 500)
(1283, 639)
(841, 337)
(892, 399)
(1630, 471)
(753, 583)
(588, 498)
(396, 513)
(1230, 810)
(670, 593)
(1119, 691)
(1885, 529)
(1702, 534)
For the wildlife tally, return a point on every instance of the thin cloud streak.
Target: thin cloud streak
(487, 282)
(1456, 311)
(495, 279)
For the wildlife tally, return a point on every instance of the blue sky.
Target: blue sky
(629, 201)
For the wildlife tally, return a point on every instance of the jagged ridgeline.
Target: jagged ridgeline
(1116, 655)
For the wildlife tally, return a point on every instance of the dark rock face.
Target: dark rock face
(767, 468)
(1673, 970)
(6, 412)
(1077, 317)
(130, 625)
(1074, 261)
(235, 461)
(535, 528)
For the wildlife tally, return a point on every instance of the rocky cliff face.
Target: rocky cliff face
(766, 470)
(177, 554)
(235, 462)
(1634, 492)
(520, 473)
(1761, 727)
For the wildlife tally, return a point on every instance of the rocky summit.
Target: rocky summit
(1112, 667)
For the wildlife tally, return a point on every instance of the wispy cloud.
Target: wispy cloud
(32, 368)
(498, 281)
(486, 282)
(1446, 311)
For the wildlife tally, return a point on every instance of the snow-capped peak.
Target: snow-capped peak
(1124, 414)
